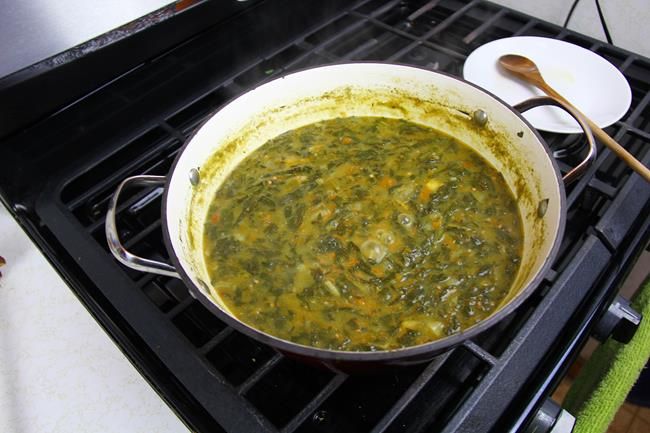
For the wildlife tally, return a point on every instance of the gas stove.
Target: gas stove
(145, 90)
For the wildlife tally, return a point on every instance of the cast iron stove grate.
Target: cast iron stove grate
(218, 378)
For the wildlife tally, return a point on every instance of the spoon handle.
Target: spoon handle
(603, 137)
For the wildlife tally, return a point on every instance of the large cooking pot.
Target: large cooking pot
(494, 129)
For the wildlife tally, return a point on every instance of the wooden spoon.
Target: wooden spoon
(525, 69)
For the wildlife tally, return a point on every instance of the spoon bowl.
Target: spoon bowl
(520, 64)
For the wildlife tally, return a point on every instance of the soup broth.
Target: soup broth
(362, 234)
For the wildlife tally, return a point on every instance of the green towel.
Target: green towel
(604, 382)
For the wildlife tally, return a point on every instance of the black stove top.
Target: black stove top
(57, 175)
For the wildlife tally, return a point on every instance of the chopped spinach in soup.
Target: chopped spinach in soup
(362, 234)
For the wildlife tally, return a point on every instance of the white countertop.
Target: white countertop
(59, 370)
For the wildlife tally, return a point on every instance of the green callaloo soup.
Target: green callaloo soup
(362, 234)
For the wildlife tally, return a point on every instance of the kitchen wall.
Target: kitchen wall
(628, 21)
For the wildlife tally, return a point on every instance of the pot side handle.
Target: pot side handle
(577, 171)
(121, 254)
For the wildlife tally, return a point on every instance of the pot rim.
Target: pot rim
(400, 354)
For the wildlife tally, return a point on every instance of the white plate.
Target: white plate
(590, 82)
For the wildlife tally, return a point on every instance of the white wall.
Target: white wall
(628, 21)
